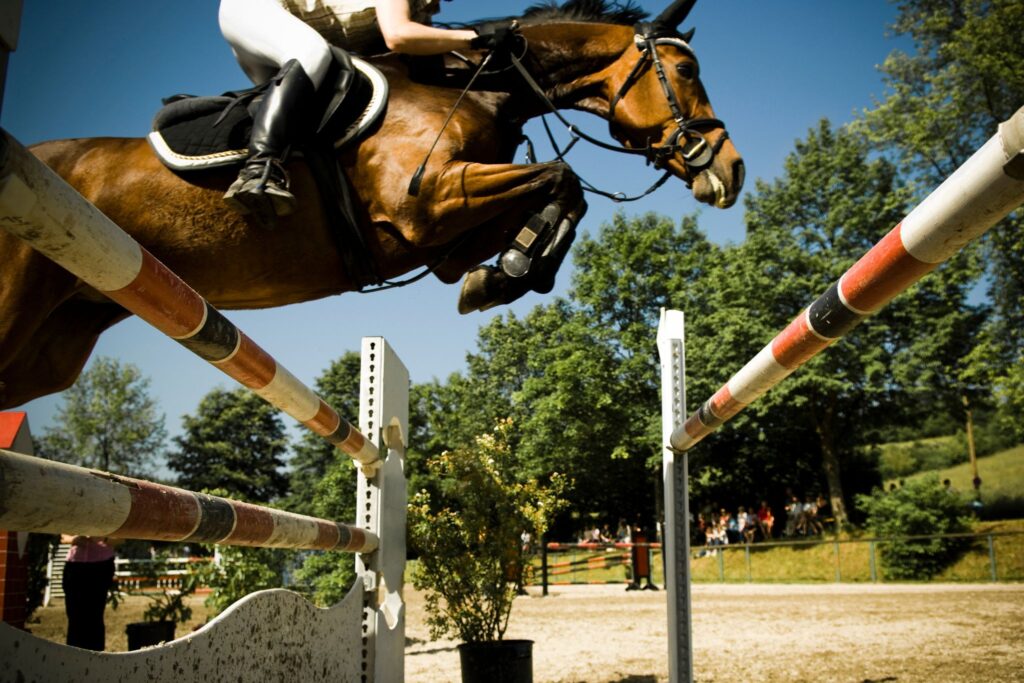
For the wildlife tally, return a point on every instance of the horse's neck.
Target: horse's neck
(572, 62)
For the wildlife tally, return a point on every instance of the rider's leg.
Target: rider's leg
(284, 113)
(267, 38)
(264, 36)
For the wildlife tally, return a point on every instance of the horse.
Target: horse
(471, 203)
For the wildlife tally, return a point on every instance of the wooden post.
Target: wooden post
(15, 436)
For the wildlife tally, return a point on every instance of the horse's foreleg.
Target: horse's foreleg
(531, 211)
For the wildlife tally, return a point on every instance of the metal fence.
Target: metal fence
(985, 557)
(995, 556)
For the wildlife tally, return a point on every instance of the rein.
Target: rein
(695, 151)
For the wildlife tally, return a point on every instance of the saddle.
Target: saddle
(192, 133)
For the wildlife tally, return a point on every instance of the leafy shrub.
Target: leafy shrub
(921, 507)
(41, 548)
(241, 571)
(326, 576)
(468, 536)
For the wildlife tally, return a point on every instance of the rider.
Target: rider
(286, 42)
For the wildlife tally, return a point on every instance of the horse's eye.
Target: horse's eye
(687, 70)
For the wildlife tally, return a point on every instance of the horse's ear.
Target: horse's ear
(688, 36)
(674, 14)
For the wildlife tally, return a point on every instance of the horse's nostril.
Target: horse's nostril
(739, 172)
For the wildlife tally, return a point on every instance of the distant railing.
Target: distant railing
(991, 556)
(582, 563)
(137, 575)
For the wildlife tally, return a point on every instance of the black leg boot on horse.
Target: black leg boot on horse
(285, 113)
(530, 263)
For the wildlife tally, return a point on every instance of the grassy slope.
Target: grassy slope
(1002, 476)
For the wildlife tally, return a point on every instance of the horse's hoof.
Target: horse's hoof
(481, 289)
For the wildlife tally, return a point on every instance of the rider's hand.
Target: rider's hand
(499, 38)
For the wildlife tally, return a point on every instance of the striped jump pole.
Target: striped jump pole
(978, 195)
(53, 497)
(37, 206)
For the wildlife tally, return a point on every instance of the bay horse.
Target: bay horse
(641, 77)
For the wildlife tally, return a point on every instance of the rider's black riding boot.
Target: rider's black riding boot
(284, 114)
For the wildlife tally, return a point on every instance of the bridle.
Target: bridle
(697, 154)
(687, 141)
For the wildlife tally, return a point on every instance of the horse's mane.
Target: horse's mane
(599, 11)
(626, 14)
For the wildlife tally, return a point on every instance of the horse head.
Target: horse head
(644, 79)
(661, 106)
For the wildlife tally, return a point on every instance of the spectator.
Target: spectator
(702, 530)
(824, 511)
(812, 525)
(622, 533)
(88, 576)
(716, 536)
(794, 510)
(750, 526)
(765, 520)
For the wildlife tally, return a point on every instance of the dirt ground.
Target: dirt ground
(823, 633)
(757, 632)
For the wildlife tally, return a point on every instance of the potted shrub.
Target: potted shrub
(471, 559)
(165, 611)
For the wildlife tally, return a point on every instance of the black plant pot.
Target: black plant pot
(145, 633)
(498, 661)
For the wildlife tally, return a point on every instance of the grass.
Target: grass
(51, 622)
(1002, 477)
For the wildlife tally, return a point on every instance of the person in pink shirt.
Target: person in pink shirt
(88, 576)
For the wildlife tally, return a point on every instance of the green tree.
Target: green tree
(804, 230)
(235, 442)
(323, 483)
(107, 421)
(943, 101)
(313, 456)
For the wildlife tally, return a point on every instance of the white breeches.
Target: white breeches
(264, 35)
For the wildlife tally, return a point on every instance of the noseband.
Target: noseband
(686, 140)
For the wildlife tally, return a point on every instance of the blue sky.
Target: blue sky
(772, 70)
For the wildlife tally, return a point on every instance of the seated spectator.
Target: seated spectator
(794, 510)
(732, 529)
(750, 526)
(716, 536)
(765, 520)
(824, 510)
(622, 534)
(741, 518)
(809, 524)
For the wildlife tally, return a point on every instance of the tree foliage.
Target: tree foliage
(945, 100)
(235, 442)
(107, 421)
(323, 484)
